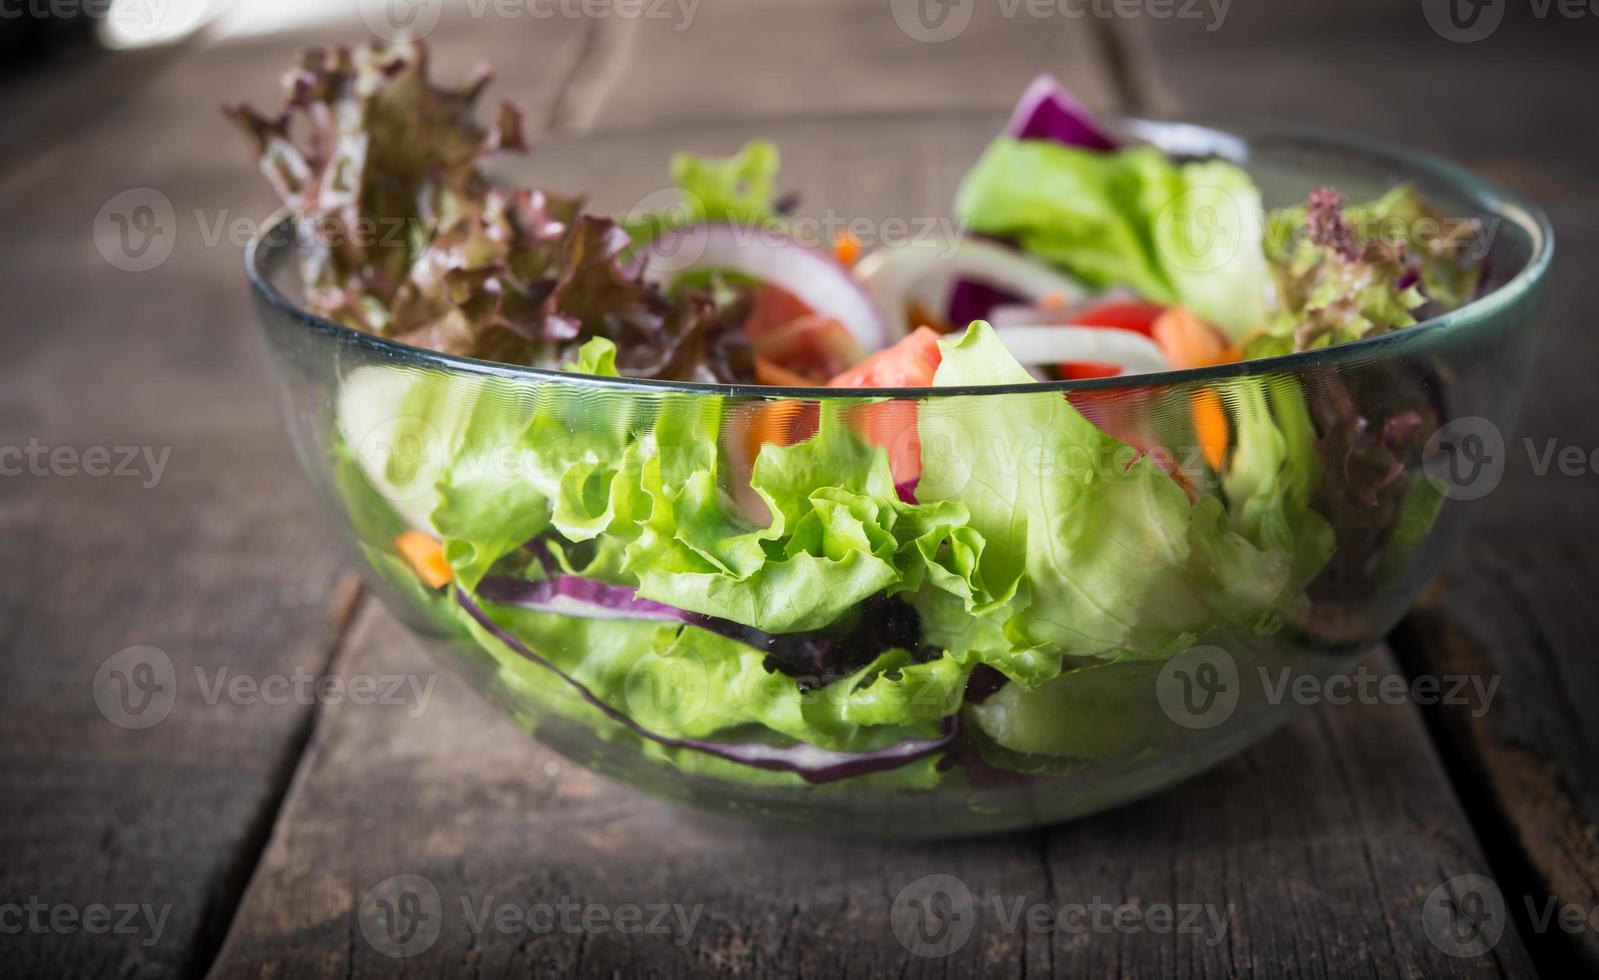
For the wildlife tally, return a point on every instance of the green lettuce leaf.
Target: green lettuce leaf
(830, 543)
(685, 682)
(1176, 233)
(1272, 473)
(734, 189)
(1103, 552)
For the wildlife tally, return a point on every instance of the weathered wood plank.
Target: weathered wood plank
(1317, 851)
(836, 55)
(1512, 606)
(209, 550)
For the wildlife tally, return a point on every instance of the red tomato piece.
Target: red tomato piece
(911, 363)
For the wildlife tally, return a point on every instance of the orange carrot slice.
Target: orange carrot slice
(847, 249)
(1210, 426)
(426, 556)
(1188, 341)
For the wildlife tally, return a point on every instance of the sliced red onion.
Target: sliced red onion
(1048, 112)
(810, 763)
(970, 301)
(816, 279)
(926, 270)
(1133, 352)
(573, 595)
(812, 655)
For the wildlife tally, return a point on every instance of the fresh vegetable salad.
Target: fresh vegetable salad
(904, 590)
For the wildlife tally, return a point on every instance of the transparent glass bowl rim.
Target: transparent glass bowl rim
(1212, 131)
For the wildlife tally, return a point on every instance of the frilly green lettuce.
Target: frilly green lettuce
(1185, 233)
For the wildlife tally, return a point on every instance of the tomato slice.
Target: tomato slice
(911, 363)
(1134, 315)
(793, 340)
(773, 308)
(1084, 371)
(812, 346)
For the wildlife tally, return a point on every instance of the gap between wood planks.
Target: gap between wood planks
(222, 906)
(1495, 781)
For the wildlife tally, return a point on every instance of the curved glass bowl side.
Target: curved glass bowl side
(377, 427)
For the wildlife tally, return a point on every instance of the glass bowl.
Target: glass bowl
(1215, 541)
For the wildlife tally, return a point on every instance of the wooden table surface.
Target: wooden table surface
(240, 838)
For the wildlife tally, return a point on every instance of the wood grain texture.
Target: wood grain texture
(210, 550)
(1513, 605)
(1316, 851)
(762, 58)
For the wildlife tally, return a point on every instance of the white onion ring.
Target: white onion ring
(815, 279)
(1132, 352)
(897, 273)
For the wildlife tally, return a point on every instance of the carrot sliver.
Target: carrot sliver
(846, 248)
(1210, 426)
(1188, 341)
(769, 425)
(426, 556)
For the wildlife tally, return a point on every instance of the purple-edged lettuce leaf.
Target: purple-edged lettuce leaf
(400, 234)
(1341, 272)
(1370, 460)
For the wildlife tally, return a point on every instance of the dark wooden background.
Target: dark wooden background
(261, 827)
